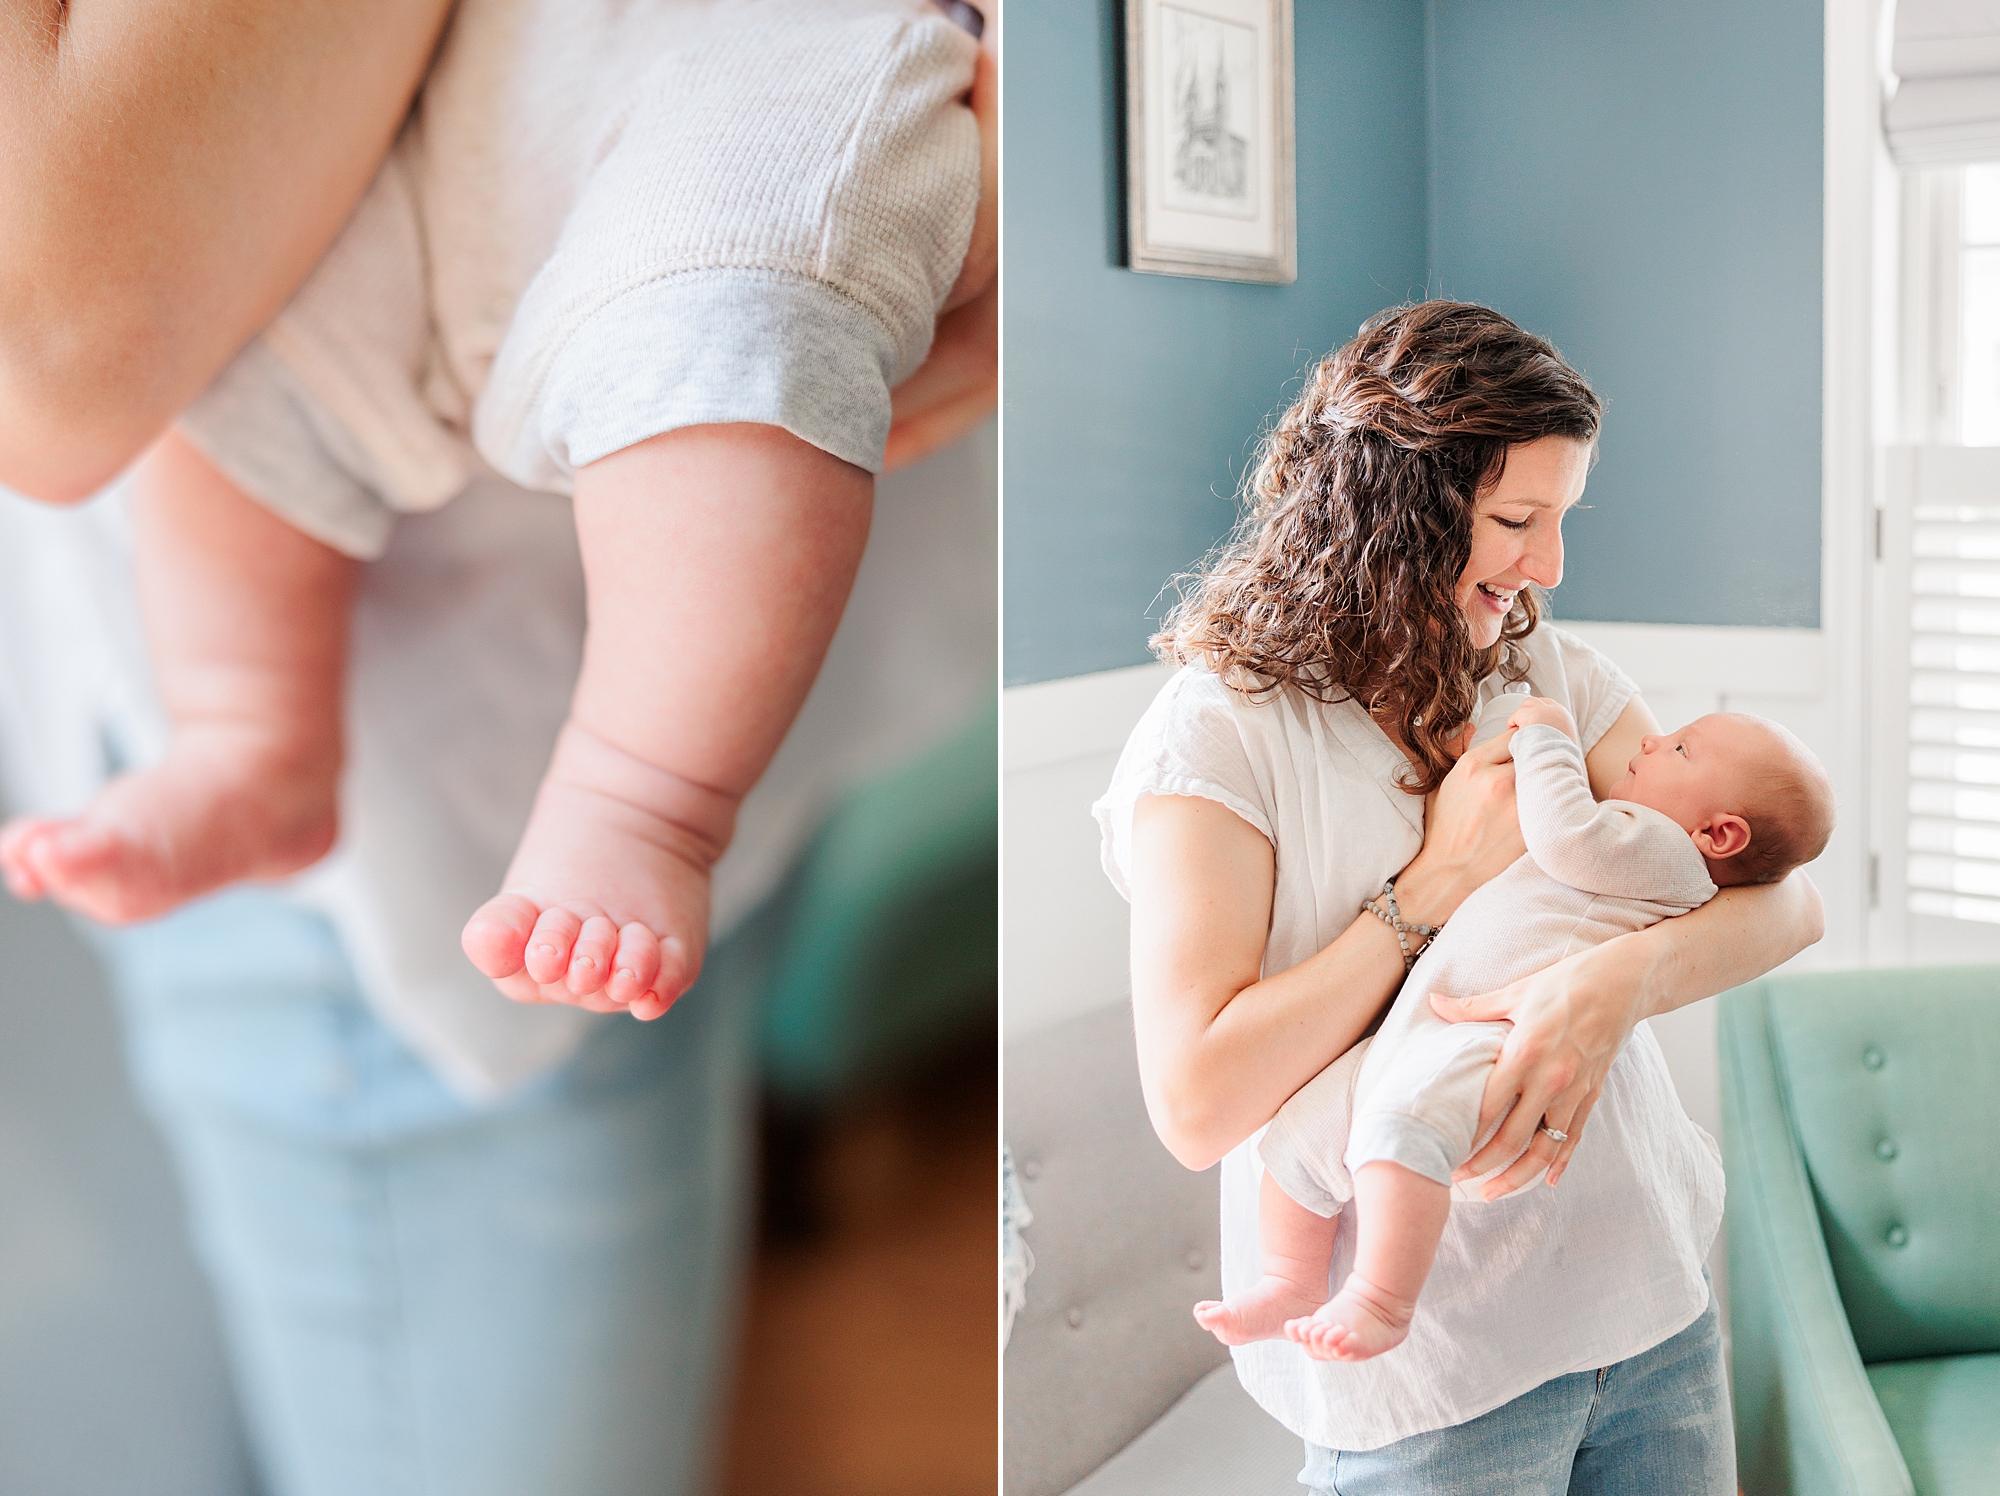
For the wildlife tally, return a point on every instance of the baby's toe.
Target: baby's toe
(496, 937)
(550, 944)
(677, 970)
(15, 866)
(590, 957)
(636, 965)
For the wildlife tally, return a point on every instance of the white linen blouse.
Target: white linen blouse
(1541, 1284)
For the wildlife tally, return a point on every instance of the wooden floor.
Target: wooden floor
(869, 1365)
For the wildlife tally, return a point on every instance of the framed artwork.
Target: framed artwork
(1208, 139)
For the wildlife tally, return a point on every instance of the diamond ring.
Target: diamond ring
(1556, 1132)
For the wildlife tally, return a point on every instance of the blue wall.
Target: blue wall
(1639, 182)
(1133, 401)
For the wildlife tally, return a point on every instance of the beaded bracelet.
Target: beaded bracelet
(1393, 918)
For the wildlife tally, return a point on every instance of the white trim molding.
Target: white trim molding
(1079, 716)
(1673, 657)
(1860, 292)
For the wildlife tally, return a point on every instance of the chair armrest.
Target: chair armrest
(1807, 1420)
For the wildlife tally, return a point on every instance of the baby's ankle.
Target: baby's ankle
(1392, 1308)
(694, 821)
(293, 756)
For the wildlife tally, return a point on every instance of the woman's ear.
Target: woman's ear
(1723, 837)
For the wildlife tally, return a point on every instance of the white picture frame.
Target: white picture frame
(1209, 140)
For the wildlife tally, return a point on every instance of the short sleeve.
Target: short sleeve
(768, 239)
(1598, 690)
(1190, 742)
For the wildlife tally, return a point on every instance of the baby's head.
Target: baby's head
(1753, 797)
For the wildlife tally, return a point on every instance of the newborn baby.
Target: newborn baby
(1728, 799)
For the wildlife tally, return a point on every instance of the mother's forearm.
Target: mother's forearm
(170, 171)
(1734, 938)
(1211, 1081)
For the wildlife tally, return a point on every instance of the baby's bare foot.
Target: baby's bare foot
(229, 802)
(606, 903)
(1359, 1322)
(1259, 1314)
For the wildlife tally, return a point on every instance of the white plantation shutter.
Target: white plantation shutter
(1953, 621)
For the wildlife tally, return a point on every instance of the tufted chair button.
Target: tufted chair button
(1031, 1169)
(1885, 1150)
(1074, 1319)
(1194, 1261)
(1872, 1057)
(1897, 1236)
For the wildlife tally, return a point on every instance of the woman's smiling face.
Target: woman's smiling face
(1517, 530)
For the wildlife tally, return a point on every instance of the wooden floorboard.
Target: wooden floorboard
(869, 1364)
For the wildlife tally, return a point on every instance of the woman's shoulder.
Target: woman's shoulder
(1253, 743)
(1196, 705)
(1192, 698)
(1551, 642)
(1191, 741)
(1565, 666)
(1195, 714)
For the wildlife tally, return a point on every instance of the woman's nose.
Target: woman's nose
(1542, 560)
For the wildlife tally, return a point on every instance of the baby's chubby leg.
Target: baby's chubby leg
(247, 619)
(1301, 1150)
(718, 561)
(1401, 1217)
(1297, 1251)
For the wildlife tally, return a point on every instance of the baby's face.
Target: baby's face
(1698, 772)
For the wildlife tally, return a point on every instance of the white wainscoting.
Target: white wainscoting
(1063, 928)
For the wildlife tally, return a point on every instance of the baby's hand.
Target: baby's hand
(1539, 711)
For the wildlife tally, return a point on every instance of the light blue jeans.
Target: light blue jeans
(424, 1298)
(1657, 1424)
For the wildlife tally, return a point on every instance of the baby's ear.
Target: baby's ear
(1723, 837)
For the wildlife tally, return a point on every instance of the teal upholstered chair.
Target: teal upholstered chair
(883, 945)
(1861, 1126)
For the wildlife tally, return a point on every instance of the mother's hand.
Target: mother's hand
(1570, 1020)
(1471, 834)
(958, 383)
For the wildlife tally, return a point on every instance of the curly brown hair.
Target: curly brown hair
(1340, 580)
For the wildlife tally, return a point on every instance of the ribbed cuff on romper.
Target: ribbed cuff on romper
(702, 348)
(1389, 1137)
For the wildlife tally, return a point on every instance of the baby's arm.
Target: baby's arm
(1605, 848)
(718, 560)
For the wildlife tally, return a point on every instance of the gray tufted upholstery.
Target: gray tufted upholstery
(1125, 1241)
